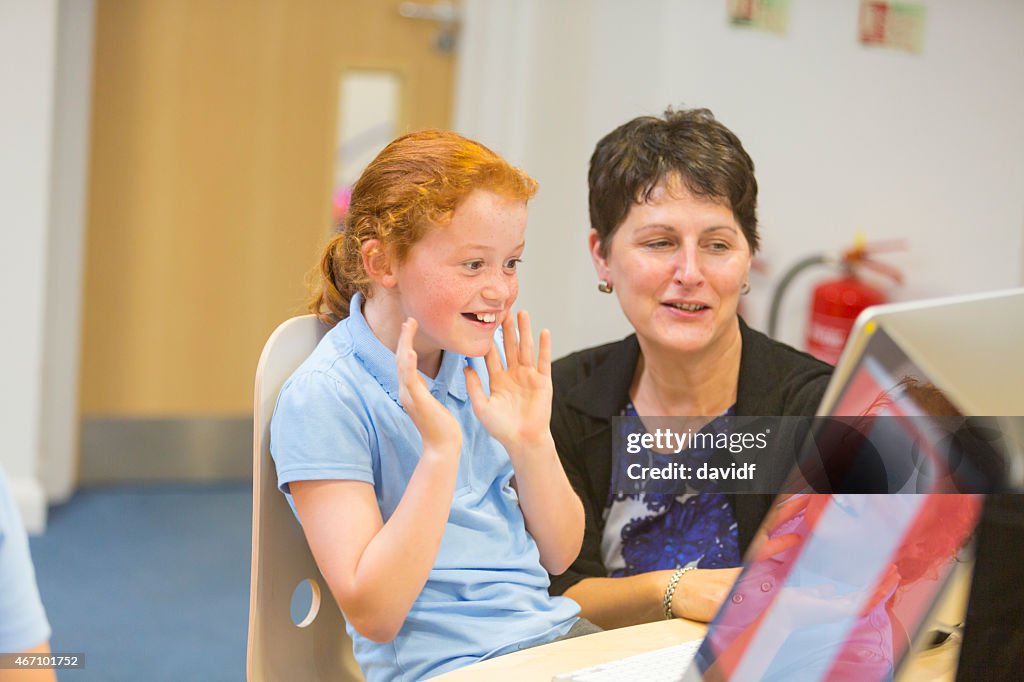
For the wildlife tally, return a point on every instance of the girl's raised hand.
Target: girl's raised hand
(438, 428)
(518, 411)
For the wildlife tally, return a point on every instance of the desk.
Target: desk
(541, 663)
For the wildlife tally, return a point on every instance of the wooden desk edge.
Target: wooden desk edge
(542, 662)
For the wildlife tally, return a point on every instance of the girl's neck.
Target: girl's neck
(667, 383)
(384, 315)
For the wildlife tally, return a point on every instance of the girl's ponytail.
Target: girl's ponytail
(332, 288)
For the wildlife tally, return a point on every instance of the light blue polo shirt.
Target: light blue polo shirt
(23, 623)
(338, 417)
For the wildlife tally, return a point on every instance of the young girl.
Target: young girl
(423, 470)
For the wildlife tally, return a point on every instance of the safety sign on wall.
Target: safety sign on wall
(894, 25)
(762, 15)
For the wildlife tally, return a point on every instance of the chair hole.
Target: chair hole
(305, 603)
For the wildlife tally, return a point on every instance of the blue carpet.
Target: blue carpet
(149, 582)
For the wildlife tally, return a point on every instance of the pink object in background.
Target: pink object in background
(342, 199)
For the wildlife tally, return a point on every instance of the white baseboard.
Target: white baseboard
(30, 497)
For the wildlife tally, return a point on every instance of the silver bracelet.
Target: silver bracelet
(670, 590)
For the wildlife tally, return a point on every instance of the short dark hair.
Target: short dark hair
(629, 162)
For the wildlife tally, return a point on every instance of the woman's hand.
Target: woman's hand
(438, 428)
(700, 593)
(518, 411)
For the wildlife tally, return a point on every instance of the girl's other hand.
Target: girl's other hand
(438, 428)
(518, 410)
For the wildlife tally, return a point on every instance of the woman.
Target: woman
(673, 214)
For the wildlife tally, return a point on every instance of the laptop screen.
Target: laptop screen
(839, 588)
(837, 585)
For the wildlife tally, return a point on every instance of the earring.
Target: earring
(604, 287)
(746, 289)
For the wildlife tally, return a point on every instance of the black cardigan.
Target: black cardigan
(592, 386)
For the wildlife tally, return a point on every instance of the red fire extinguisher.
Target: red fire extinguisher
(836, 302)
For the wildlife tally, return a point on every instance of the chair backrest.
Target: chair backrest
(278, 649)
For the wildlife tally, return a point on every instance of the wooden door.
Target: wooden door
(212, 162)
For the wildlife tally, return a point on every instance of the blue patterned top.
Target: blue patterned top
(652, 531)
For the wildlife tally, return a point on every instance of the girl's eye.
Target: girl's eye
(513, 263)
(718, 246)
(474, 265)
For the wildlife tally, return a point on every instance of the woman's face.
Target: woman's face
(678, 263)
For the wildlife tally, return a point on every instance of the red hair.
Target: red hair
(415, 183)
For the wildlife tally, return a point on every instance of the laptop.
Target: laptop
(842, 584)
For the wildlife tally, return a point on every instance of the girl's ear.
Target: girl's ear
(378, 263)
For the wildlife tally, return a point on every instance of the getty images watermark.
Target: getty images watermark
(878, 454)
(668, 441)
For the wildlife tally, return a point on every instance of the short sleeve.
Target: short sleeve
(320, 430)
(23, 623)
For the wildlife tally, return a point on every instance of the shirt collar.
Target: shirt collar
(379, 360)
(763, 371)
(606, 390)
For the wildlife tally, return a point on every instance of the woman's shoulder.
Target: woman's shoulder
(790, 357)
(777, 379)
(595, 381)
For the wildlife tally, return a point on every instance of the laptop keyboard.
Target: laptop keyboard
(661, 665)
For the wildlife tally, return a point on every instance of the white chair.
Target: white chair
(318, 648)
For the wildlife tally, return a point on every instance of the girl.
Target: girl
(422, 469)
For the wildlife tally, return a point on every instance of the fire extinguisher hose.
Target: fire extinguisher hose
(787, 279)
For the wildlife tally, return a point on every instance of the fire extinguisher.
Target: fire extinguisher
(836, 302)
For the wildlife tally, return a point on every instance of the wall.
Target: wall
(28, 47)
(47, 50)
(926, 148)
(58, 445)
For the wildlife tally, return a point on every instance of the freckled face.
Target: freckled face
(459, 281)
(678, 263)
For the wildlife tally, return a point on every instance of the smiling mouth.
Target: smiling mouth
(485, 318)
(688, 307)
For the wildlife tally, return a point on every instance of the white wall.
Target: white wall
(28, 46)
(928, 147)
(43, 139)
(58, 447)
